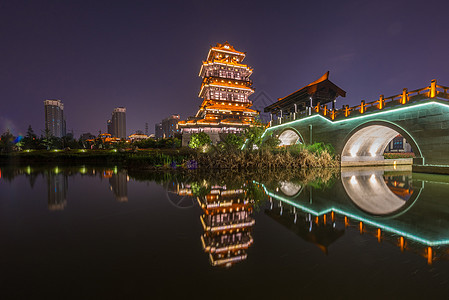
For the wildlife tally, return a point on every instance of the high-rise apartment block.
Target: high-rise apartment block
(54, 118)
(170, 126)
(158, 132)
(110, 131)
(117, 123)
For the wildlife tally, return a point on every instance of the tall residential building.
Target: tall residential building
(170, 126)
(225, 90)
(118, 123)
(110, 130)
(54, 118)
(158, 132)
(119, 185)
(57, 191)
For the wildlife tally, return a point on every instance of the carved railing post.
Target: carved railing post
(404, 97)
(433, 88)
(381, 102)
(347, 111)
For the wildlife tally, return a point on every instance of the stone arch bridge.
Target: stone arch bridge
(360, 134)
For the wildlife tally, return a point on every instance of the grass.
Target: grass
(313, 156)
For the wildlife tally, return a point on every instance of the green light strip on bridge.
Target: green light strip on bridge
(358, 218)
(355, 118)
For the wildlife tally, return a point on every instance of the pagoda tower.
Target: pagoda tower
(225, 90)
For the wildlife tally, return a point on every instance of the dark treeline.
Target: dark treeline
(31, 141)
(242, 151)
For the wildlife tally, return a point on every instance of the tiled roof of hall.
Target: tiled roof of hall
(225, 48)
(302, 95)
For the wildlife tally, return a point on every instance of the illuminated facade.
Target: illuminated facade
(225, 90)
(57, 185)
(170, 126)
(54, 118)
(227, 224)
(118, 123)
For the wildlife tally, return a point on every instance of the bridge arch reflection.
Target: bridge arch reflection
(368, 141)
(291, 189)
(378, 194)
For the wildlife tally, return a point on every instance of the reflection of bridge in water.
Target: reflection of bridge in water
(407, 210)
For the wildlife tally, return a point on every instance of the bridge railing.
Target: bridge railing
(405, 97)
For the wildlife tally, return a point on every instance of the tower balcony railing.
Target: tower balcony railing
(429, 92)
(247, 82)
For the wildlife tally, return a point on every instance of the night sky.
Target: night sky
(146, 55)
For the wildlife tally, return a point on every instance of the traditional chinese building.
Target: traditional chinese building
(316, 94)
(225, 90)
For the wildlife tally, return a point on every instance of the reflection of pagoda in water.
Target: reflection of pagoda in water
(57, 191)
(227, 224)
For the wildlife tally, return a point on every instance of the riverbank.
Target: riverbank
(184, 158)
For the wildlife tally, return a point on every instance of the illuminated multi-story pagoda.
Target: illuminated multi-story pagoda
(225, 90)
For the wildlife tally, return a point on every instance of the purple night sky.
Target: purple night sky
(146, 55)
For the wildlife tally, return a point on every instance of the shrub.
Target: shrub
(198, 140)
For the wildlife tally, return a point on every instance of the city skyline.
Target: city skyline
(80, 53)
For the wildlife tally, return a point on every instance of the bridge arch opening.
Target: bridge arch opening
(369, 141)
(290, 137)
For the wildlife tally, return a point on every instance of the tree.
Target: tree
(232, 141)
(199, 140)
(270, 142)
(253, 136)
(30, 140)
(6, 142)
(47, 140)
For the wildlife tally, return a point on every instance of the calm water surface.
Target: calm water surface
(89, 232)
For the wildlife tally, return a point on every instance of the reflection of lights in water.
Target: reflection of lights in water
(372, 179)
(353, 180)
(347, 214)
